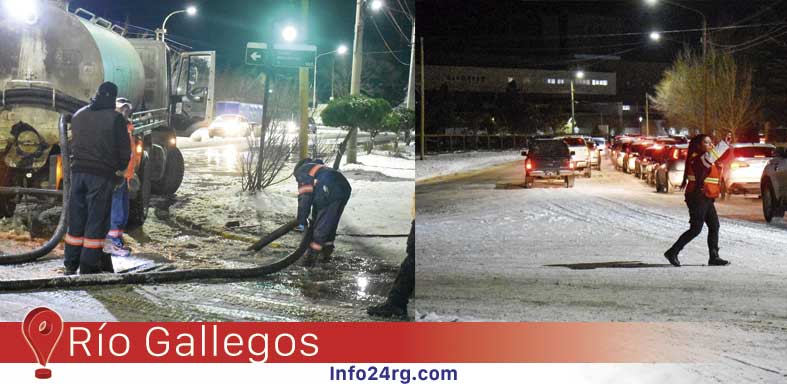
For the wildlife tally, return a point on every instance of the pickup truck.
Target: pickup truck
(773, 186)
(548, 159)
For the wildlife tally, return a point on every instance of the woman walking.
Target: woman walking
(701, 182)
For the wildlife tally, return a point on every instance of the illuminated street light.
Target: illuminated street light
(651, 2)
(289, 33)
(377, 5)
(655, 36)
(580, 75)
(341, 50)
(191, 11)
(23, 10)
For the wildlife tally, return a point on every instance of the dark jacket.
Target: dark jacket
(319, 186)
(100, 145)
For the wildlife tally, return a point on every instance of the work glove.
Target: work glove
(118, 180)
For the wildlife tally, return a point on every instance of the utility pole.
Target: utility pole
(303, 85)
(573, 119)
(647, 116)
(423, 101)
(411, 83)
(355, 78)
(705, 75)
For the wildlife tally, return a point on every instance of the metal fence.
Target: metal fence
(455, 143)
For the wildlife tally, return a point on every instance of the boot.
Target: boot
(309, 258)
(715, 259)
(387, 309)
(325, 254)
(672, 256)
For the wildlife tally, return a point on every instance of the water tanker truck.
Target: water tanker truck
(51, 63)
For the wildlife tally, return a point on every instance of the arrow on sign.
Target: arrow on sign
(255, 56)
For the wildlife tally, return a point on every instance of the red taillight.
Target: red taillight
(759, 156)
(675, 154)
(528, 165)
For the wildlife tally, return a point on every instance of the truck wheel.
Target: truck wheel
(7, 206)
(173, 174)
(138, 206)
(529, 182)
(569, 181)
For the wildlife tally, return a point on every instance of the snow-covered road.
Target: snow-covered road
(490, 250)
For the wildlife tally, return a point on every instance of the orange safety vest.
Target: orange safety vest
(711, 187)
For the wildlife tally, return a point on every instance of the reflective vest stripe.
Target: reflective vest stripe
(116, 233)
(692, 178)
(305, 189)
(711, 180)
(313, 171)
(315, 246)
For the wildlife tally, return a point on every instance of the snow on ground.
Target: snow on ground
(490, 250)
(190, 230)
(451, 163)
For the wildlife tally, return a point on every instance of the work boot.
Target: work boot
(387, 309)
(715, 259)
(309, 258)
(672, 256)
(69, 271)
(117, 250)
(325, 254)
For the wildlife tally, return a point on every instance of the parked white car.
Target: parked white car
(743, 173)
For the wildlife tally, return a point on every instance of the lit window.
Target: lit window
(561, 81)
(626, 107)
(551, 81)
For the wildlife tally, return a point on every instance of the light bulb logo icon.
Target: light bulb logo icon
(42, 329)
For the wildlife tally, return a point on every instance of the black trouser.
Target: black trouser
(89, 207)
(326, 220)
(405, 281)
(701, 210)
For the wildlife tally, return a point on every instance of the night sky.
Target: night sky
(456, 30)
(226, 25)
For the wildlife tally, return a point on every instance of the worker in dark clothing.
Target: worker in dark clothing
(404, 285)
(701, 181)
(99, 149)
(323, 192)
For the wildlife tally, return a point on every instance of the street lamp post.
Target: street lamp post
(578, 75)
(341, 50)
(704, 57)
(191, 11)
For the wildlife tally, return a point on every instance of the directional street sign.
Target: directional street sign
(293, 55)
(255, 53)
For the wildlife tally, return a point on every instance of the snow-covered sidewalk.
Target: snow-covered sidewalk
(452, 163)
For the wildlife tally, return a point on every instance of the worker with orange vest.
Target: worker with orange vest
(701, 180)
(120, 197)
(323, 192)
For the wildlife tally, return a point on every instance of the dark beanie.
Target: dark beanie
(107, 90)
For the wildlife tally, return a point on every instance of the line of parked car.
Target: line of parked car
(752, 168)
(563, 157)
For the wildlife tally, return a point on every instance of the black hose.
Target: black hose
(263, 242)
(159, 277)
(61, 224)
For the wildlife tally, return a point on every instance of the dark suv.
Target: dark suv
(548, 159)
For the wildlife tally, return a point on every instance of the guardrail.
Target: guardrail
(454, 143)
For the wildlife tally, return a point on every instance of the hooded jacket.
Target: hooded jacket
(100, 142)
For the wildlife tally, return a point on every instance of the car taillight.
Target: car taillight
(759, 156)
(675, 154)
(738, 164)
(528, 165)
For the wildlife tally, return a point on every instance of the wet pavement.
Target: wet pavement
(189, 230)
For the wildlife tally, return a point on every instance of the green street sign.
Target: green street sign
(293, 55)
(256, 53)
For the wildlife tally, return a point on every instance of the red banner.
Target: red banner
(346, 342)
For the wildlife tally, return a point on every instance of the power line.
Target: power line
(396, 25)
(377, 28)
(752, 45)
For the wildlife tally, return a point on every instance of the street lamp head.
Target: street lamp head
(640, 119)
(655, 36)
(23, 10)
(289, 33)
(580, 74)
(651, 2)
(376, 5)
(342, 49)
(191, 10)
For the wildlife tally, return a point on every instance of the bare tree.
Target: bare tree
(731, 106)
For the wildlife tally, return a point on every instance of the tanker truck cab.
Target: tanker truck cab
(53, 65)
